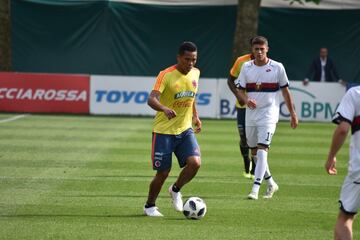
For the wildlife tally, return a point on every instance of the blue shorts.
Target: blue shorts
(184, 145)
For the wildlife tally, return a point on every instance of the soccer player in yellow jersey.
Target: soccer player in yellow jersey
(173, 97)
(241, 109)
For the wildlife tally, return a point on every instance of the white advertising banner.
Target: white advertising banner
(120, 95)
(129, 94)
(314, 102)
(226, 101)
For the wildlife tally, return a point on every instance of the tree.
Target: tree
(5, 36)
(247, 24)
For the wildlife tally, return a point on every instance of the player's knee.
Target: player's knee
(163, 174)
(262, 147)
(254, 151)
(194, 162)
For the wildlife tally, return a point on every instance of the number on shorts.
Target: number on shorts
(269, 136)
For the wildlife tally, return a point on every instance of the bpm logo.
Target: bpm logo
(309, 107)
(137, 97)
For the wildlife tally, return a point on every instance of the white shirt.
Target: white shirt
(349, 110)
(267, 79)
(323, 64)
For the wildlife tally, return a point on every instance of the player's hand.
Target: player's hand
(294, 122)
(330, 166)
(169, 113)
(251, 103)
(197, 124)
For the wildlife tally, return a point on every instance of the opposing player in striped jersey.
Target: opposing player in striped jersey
(249, 166)
(262, 79)
(347, 117)
(173, 97)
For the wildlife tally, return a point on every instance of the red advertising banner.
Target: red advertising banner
(44, 93)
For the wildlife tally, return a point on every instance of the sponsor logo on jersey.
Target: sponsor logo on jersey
(183, 104)
(184, 94)
(268, 70)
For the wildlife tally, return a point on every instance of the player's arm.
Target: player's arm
(290, 105)
(196, 119)
(338, 140)
(154, 103)
(242, 97)
(233, 88)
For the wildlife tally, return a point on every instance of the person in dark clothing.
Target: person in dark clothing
(322, 69)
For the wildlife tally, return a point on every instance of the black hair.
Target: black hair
(259, 40)
(187, 46)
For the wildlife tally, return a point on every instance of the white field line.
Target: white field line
(14, 118)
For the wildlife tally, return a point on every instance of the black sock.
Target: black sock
(175, 188)
(147, 205)
(253, 166)
(245, 154)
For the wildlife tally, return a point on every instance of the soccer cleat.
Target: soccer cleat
(253, 195)
(246, 175)
(152, 212)
(176, 200)
(271, 190)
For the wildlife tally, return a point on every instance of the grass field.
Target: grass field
(83, 177)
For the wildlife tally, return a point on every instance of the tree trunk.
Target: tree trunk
(246, 26)
(5, 36)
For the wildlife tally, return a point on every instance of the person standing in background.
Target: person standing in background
(323, 69)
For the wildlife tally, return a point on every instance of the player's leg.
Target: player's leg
(244, 149)
(187, 152)
(156, 184)
(265, 136)
(343, 227)
(349, 205)
(162, 148)
(251, 135)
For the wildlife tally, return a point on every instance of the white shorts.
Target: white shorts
(259, 135)
(350, 196)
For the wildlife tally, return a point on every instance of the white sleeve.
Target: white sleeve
(283, 79)
(346, 109)
(240, 82)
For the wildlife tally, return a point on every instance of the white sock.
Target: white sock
(268, 176)
(260, 169)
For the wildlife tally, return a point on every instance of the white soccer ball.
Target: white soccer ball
(194, 208)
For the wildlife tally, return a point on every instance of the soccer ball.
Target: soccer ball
(194, 208)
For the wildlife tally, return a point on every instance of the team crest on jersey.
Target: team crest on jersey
(268, 70)
(157, 163)
(258, 86)
(194, 83)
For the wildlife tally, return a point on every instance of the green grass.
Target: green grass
(86, 177)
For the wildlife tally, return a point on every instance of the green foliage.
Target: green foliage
(86, 177)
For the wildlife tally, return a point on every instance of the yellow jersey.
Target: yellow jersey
(235, 70)
(178, 92)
